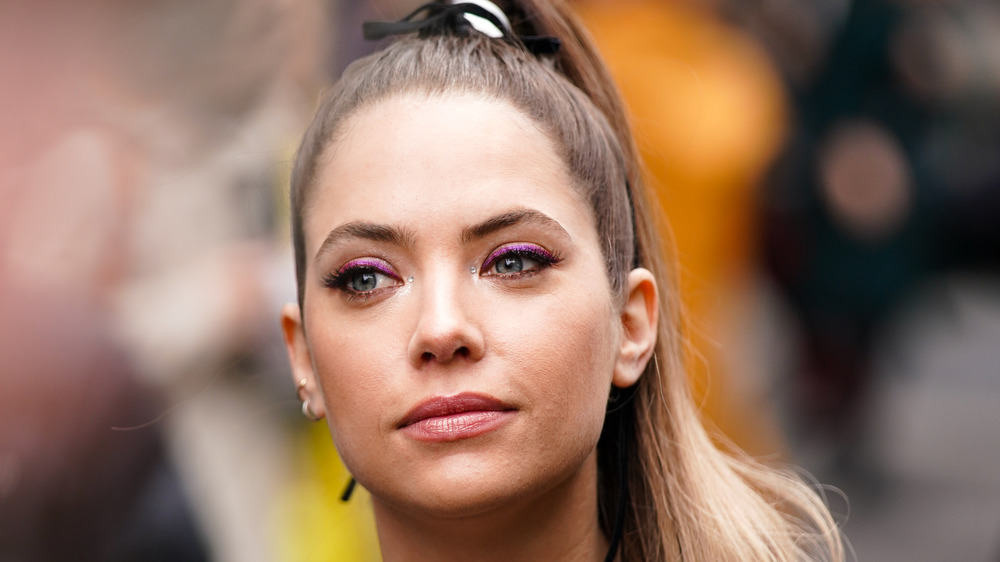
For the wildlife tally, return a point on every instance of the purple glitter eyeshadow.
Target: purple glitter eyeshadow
(519, 250)
(367, 264)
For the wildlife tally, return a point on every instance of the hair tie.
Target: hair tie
(485, 26)
(440, 18)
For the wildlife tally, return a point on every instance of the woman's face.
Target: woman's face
(459, 330)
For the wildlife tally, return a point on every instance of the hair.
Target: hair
(687, 499)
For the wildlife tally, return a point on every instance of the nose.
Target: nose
(446, 330)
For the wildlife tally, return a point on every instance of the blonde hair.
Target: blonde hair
(687, 499)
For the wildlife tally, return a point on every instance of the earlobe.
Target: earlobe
(639, 317)
(300, 359)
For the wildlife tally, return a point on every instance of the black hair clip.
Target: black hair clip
(442, 18)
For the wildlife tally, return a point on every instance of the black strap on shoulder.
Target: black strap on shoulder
(623, 496)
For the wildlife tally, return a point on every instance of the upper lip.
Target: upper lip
(449, 405)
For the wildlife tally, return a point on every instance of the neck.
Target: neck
(558, 524)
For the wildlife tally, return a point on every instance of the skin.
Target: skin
(549, 342)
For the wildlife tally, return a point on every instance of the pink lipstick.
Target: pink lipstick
(450, 418)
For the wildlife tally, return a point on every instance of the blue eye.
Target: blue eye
(363, 281)
(516, 259)
(513, 263)
(362, 277)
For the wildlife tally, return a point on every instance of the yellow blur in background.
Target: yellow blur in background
(709, 114)
(316, 526)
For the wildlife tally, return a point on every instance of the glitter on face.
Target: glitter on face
(376, 265)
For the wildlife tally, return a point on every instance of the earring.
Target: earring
(307, 411)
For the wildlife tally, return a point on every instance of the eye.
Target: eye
(362, 277)
(513, 263)
(514, 260)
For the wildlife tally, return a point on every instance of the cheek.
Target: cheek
(353, 374)
(568, 355)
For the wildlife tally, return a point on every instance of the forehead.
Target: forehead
(456, 157)
(416, 132)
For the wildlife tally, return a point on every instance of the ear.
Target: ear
(639, 318)
(300, 359)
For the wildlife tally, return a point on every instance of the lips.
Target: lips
(451, 418)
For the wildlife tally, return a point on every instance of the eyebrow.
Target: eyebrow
(361, 230)
(507, 220)
(402, 237)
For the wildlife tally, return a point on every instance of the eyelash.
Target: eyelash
(341, 279)
(544, 258)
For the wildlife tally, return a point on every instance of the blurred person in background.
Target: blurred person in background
(889, 177)
(882, 224)
(141, 154)
(70, 487)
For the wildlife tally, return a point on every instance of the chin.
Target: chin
(459, 486)
(467, 485)
(468, 501)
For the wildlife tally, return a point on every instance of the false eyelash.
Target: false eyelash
(544, 258)
(335, 280)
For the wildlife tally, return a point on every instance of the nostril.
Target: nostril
(463, 352)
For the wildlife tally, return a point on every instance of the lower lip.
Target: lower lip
(453, 427)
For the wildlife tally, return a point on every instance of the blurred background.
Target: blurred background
(830, 168)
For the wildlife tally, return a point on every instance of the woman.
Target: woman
(485, 321)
